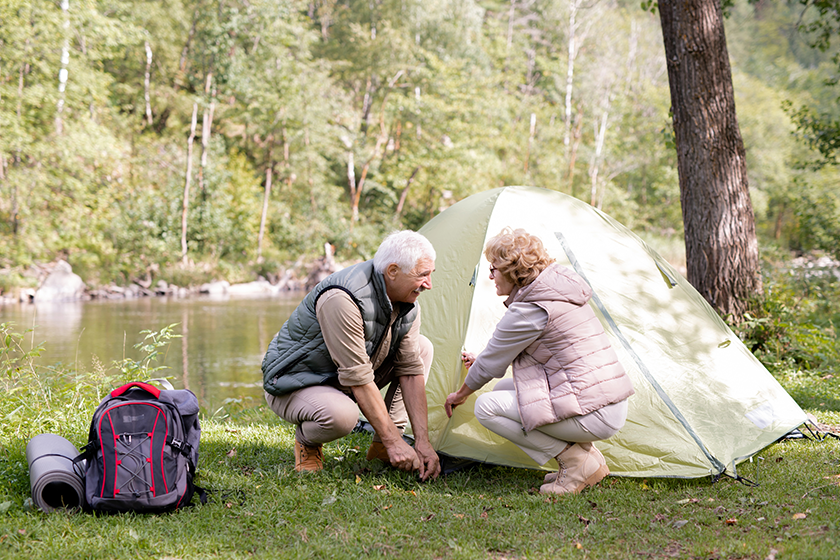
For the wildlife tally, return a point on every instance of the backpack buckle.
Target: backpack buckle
(181, 446)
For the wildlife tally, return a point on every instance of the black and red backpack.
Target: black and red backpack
(142, 450)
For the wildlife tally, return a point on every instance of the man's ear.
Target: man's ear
(391, 271)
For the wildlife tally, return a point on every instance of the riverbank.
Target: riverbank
(57, 282)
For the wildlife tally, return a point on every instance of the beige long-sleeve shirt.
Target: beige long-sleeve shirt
(344, 334)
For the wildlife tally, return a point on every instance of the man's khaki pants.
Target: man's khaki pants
(323, 414)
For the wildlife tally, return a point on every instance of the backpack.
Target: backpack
(142, 450)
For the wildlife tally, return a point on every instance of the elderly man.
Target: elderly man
(357, 331)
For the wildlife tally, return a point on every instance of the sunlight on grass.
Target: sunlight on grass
(260, 507)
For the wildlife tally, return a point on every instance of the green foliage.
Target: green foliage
(796, 324)
(13, 356)
(819, 131)
(418, 104)
(150, 346)
(57, 399)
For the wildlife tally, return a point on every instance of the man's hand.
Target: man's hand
(402, 456)
(429, 460)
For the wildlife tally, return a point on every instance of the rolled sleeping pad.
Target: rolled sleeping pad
(55, 481)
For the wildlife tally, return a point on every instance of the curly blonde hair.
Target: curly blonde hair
(520, 255)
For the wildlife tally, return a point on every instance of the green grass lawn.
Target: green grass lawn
(261, 508)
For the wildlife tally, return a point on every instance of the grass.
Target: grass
(260, 507)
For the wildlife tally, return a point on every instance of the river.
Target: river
(217, 357)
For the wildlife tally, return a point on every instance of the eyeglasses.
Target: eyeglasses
(493, 270)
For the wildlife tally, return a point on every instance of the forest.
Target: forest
(191, 140)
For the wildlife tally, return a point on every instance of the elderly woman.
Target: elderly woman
(568, 388)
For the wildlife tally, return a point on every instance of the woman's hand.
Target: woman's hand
(457, 398)
(468, 358)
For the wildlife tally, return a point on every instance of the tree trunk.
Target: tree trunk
(570, 74)
(720, 241)
(182, 63)
(147, 84)
(600, 139)
(574, 150)
(404, 193)
(531, 133)
(63, 73)
(264, 216)
(206, 127)
(186, 204)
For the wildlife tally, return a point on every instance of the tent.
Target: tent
(703, 402)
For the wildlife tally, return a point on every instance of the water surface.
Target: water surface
(217, 357)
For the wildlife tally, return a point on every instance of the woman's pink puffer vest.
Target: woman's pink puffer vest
(572, 369)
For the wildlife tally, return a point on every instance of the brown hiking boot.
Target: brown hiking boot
(310, 459)
(377, 451)
(580, 468)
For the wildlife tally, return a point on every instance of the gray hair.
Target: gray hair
(404, 248)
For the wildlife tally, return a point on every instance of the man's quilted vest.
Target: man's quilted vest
(297, 357)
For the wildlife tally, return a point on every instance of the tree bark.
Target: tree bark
(187, 181)
(63, 73)
(147, 84)
(264, 216)
(206, 127)
(720, 240)
(404, 193)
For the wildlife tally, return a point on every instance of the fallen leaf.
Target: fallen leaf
(412, 492)
(679, 524)
(358, 479)
(483, 515)
(458, 515)
(386, 507)
(378, 486)
(584, 520)
(731, 521)
(22, 531)
(231, 453)
(428, 517)
(578, 545)
(799, 516)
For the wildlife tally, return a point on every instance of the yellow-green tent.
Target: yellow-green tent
(703, 403)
